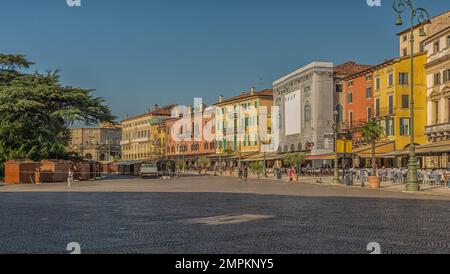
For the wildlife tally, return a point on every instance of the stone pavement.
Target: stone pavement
(219, 184)
(218, 215)
(386, 186)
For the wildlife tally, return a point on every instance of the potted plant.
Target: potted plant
(372, 132)
(204, 163)
(257, 168)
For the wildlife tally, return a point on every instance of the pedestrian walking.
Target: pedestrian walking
(70, 178)
(291, 173)
(245, 173)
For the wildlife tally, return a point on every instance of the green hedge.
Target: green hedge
(2, 170)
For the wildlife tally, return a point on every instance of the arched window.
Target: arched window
(299, 147)
(285, 148)
(102, 157)
(307, 114)
(292, 148)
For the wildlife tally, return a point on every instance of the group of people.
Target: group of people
(243, 173)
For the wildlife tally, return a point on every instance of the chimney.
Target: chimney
(220, 98)
(252, 91)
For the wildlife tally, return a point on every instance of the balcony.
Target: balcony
(141, 140)
(387, 112)
(124, 142)
(438, 131)
(438, 55)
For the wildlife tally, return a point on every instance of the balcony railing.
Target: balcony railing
(438, 129)
(386, 111)
(141, 140)
(124, 142)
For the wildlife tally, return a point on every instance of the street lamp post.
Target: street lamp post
(422, 16)
(336, 159)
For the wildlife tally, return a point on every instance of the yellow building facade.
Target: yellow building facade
(143, 136)
(392, 99)
(238, 122)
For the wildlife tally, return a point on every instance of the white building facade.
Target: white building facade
(306, 101)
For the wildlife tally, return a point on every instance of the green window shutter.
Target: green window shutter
(393, 127)
(402, 132)
(387, 127)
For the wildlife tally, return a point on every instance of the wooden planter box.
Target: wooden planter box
(20, 172)
(55, 171)
(84, 171)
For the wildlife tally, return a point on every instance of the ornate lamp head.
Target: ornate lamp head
(399, 20)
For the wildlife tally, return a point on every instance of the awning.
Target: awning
(381, 149)
(321, 157)
(428, 149)
(434, 148)
(128, 163)
(243, 155)
(260, 157)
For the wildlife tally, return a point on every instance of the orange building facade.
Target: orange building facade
(360, 105)
(198, 146)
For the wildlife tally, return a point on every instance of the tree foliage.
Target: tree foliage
(294, 159)
(204, 162)
(37, 111)
(372, 132)
(257, 168)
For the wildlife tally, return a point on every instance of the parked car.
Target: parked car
(149, 170)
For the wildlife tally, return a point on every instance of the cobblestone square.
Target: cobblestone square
(217, 215)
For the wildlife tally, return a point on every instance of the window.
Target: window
(307, 113)
(405, 127)
(350, 84)
(308, 89)
(405, 37)
(405, 101)
(405, 52)
(350, 118)
(377, 107)
(390, 127)
(369, 93)
(437, 79)
(377, 83)
(448, 110)
(403, 78)
(368, 77)
(350, 98)
(339, 88)
(391, 105)
(436, 47)
(446, 75)
(422, 46)
(436, 112)
(340, 115)
(391, 79)
(369, 113)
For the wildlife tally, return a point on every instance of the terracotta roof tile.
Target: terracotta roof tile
(350, 68)
(244, 95)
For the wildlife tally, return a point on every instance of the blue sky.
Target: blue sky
(138, 53)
